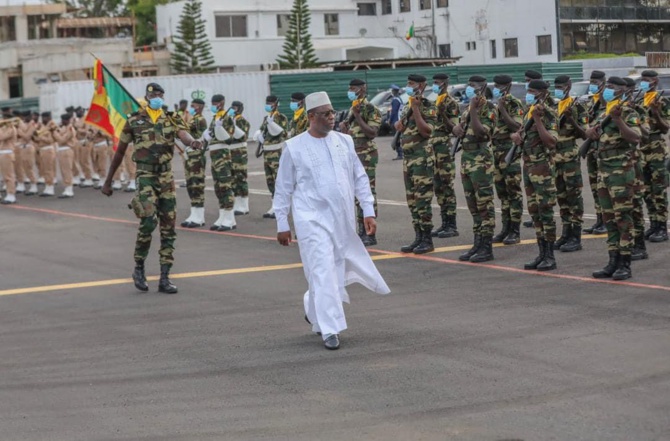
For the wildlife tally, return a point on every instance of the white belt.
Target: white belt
(82, 141)
(100, 144)
(6, 152)
(273, 147)
(23, 146)
(62, 148)
(216, 147)
(48, 147)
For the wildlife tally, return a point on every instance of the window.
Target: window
(405, 6)
(332, 24)
(442, 4)
(15, 86)
(386, 7)
(425, 4)
(511, 47)
(544, 44)
(471, 46)
(40, 26)
(7, 29)
(494, 52)
(445, 50)
(367, 9)
(282, 24)
(230, 26)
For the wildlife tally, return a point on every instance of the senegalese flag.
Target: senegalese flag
(111, 103)
(410, 32)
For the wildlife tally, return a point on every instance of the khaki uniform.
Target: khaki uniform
(7, 158)
(47, 151)
(85, 148)
(26, 146)
(66, 139)
(99, 154)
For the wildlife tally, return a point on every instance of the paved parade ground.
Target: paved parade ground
(457, 351)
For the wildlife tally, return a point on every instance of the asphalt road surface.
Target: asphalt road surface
(457, 351)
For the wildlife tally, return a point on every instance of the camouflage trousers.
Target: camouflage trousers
(569, 185)
(477, 178)
(194, 168)
(507, 180)
(418, 170)
(369, 157)
(617, 191)
(271, 165)
(156, 191)
(592, 168)
(638, 200)
(222, 173)
(655, 177)
(445, 174)
(240, 159)
(539, 180)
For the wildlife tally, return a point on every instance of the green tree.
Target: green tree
(298, 49)
(144, 12)
(192, 51)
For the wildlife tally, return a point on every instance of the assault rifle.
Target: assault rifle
(395, 142)
(526, 128)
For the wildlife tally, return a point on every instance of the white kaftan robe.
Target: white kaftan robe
(318, 178)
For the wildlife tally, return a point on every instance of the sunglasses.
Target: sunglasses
(327, 113)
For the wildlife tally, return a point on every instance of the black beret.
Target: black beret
(26, 113)
(69, 109)
(538, 85)
(616, 81)
(271, 99)
(416, 78)
(218, 98)
(183, 101)
(46, 114)
(16, 112)
(562, 79)
(649, 73)
(629, 81)
(299, 96)
(502, 79)
(356, 82)
(198, 101)
(237, 104)
(477, 79)
(533, 75)
(154, 87)
(441, 76)
(66, 116)
(598, 75)
(6, 109)
(79, 109)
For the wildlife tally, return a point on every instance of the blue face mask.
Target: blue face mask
(409, 91)
(608, 95)
(352, 95)
(560, 94)
(231, 112)
(268, 108)
(470, 92)
(530, 99)
(496, 93)
(645, 86)
(294, 106)
(436, 88)
(593, 88)
(156, 103)
(214, 109)
(191, 110)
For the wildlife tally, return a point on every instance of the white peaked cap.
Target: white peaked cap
(316, 99)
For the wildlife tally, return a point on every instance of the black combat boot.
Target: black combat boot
(609, 268)
(639, 249)
(465, 257)
(599, 222)
(451, 230)
(566, 233)
(485, 251)
(651, 230)
(549, 261)
(436, 232)
(541, 245)
(514, 235)
(426, 245)
(574, 242)
(164, 284)
(417, 240)
(139, 278)
(498, 238)
(528, 223)
(369, 240)
(661, 233)
(623, 270)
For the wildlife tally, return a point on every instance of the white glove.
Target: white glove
(239, 133)
(256, 134)
(207, 136)
(274, 128)
(221, 133)
(261, 138)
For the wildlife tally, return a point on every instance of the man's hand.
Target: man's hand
(593, 133)
(516, 138)
(356, 110)
(196, 144)
(538, 112)
(344, 127)
(107, 189)
(477, 102)
(370, 225)
(458, 131)
(615, 113)
(284, 238)
(415, 104)
(399, 126)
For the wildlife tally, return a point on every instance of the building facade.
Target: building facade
(248, 36)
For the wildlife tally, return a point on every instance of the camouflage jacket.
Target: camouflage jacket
(241, 122)
(595, 108)
(447, 110)
(227, 124)
(410, 136)
(197, 126)
(611, 136)
(282, 121)
(488, 115)
(515, 109)
(372, 117)
(533, 149)
(664, 112)
(299, 123)
(154, 143)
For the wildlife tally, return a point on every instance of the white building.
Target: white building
(248, 35)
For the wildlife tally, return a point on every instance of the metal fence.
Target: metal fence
(657, 59)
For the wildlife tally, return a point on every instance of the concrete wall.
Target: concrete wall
(619, 67)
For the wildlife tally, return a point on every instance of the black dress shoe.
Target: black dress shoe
(269, 216)
(332, 342)
(224, 228)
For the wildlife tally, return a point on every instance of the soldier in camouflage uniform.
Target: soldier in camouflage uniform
(537, 145)
(195, 164)
(616, 176)
(240, 157)
(475, 129)
(220, 137)
(445, 167)
(507, 177)
(416, 125)
(299, 123)
(529, 76)
(595, 109)
(362, 124)
(573, 118)
(153, 132)
(653, 155)
(272, 134)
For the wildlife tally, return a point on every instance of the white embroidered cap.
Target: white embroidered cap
(316, 99)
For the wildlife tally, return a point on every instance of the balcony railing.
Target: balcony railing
(613, 13)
